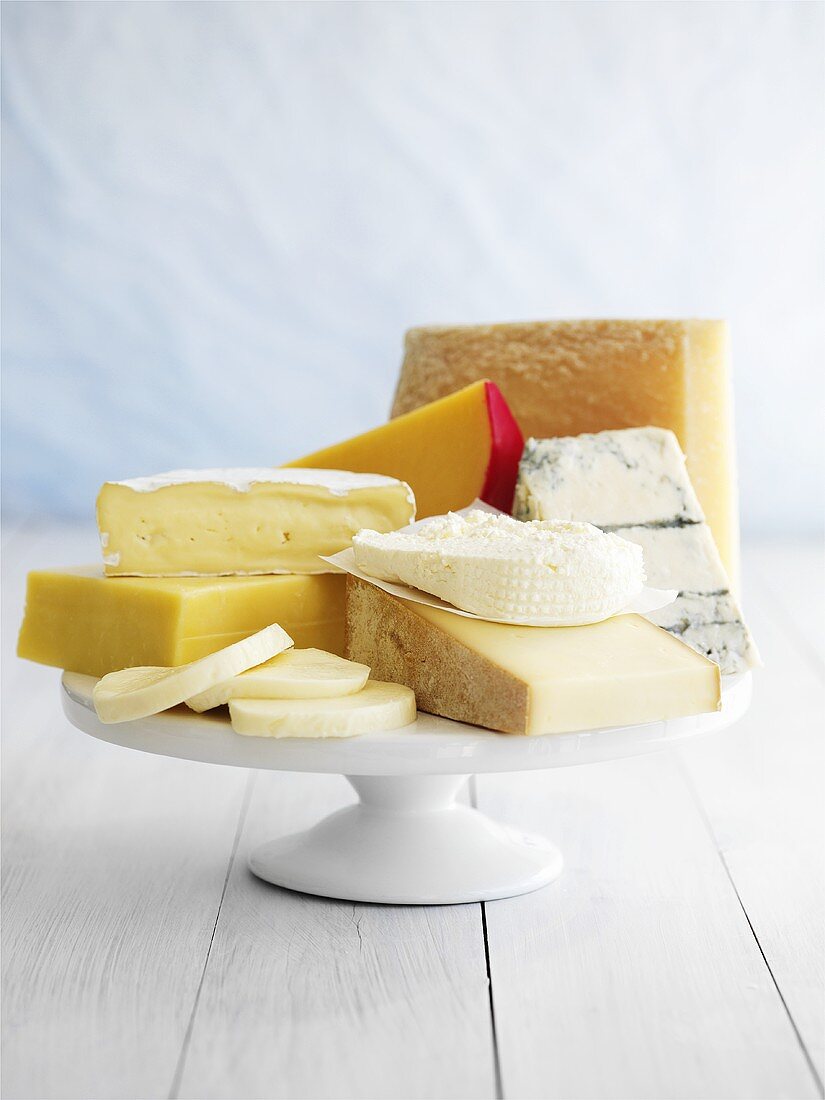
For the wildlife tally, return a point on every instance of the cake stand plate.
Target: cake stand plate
(407, 840)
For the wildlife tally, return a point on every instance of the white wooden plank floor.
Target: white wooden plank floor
(680, 955)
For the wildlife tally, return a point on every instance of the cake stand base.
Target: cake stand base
(408, 842)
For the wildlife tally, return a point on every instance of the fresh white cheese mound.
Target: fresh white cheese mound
(500, 568)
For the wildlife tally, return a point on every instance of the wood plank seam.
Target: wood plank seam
(399, 1012)
(496, 1060)
(187, 1037)
(356, 917)
(709, 826)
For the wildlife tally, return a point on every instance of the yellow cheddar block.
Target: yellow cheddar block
(563, 378)
(529, 680)
(463, 446)
(82, 621)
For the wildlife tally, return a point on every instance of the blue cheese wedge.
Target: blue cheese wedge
(633, 483)
(617, 479)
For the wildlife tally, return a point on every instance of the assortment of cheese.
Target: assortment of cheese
(234, 525)
(216, 589)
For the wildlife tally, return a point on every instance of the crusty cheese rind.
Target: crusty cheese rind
(399, 645)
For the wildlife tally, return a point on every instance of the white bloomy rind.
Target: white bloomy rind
(241, 479)
(498, 567)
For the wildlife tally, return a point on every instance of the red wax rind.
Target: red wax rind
(506, 447)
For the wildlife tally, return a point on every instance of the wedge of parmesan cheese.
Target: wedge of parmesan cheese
(527, 679)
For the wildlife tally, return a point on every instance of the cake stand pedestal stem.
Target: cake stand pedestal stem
(408, 841)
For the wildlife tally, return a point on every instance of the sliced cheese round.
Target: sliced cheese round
(295, 674)
(378, 707)
(138, 692)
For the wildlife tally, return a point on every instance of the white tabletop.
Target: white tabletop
(679, 955)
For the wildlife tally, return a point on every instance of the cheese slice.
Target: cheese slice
(375, 709)
(140, 692)
(563, 378)
(529, 680)
(634, 483)
(463, 447)
(294, 674)
(82, 621)
(242, 521)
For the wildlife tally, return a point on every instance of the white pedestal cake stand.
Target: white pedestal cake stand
(407, 840)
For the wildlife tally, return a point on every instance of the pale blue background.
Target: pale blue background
(219, 218)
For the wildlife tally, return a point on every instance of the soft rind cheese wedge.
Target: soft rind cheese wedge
(375, 709)
(242, 521)
(499, 568)
(634, 482)
(139, 692)
(529, 680)
(561, 378)
(294, 674)
(78, 619)
(463, 447)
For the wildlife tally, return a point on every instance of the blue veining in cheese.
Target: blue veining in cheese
(636, 476)
(633, 482)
